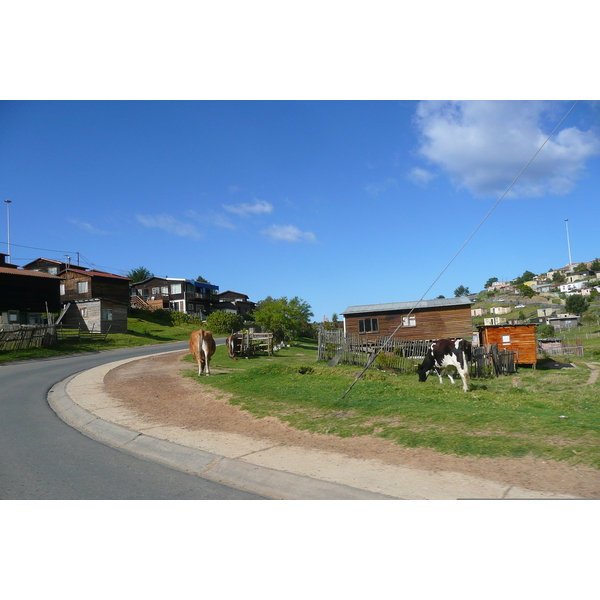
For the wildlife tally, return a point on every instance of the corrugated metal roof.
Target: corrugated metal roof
(399, 306)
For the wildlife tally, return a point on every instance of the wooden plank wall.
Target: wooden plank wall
(522, 341)
(431, 324)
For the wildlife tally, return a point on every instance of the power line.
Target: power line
(376, 354)
(43, 249)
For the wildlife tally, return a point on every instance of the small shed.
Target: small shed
(518, 338)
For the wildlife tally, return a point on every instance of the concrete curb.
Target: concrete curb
(256, 465)
(255, 478)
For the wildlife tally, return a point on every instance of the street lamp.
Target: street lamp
(568, 241)
(8, 203)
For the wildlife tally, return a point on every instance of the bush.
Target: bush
(544, 331)
(221, 322)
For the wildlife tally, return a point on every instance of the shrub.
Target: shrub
(222, 322)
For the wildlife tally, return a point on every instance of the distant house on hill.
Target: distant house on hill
(424, 320)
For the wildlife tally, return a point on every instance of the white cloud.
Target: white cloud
(288, 233)
(170, 225)
(211, 218)
(483, 145)
(259, 207)
(374, 189)
(420, 176)
(87, 227)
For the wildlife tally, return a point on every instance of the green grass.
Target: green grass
(544, 417)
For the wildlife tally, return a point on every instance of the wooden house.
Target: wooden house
(424, 320)
(234, 302)
(183, 295)
(25, 296)
(518, 338)
(95, 300)
(92, 300)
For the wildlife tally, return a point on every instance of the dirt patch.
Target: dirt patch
(156, 390)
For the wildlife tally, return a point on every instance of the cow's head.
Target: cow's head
(423, 373)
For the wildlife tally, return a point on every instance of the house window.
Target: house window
(62, 289)
(368, 325)
(410, 321)
(155, 291)
(107, 314)
(52, 270)
(165, 290)
(13, 316)
(83, 312)
(176, 288)
(82, 287)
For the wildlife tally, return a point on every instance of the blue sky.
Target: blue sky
(337, 202)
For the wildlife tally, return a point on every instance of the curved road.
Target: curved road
(41, 457)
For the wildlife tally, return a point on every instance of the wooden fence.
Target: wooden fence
(491, 362)
(401, 355)
(81, 335)
(249, 342)
(560, 347)
(404, 355)
(20, 337)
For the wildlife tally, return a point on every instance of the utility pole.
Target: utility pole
(568, 241)
(8, 203)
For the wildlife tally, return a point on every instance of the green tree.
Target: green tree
(139, 274)
(221, 322)
(202, 280)
(576, 305)
(489, 282)
(580, 268)
(558, 277)
(286, 319)
(595, 266)
(527, 276)
(461, 290)
(525, 290)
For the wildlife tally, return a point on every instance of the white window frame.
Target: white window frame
(409, 321)
(82, 287)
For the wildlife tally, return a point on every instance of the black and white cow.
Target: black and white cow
(446, 353)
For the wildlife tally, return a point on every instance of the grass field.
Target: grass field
(547, 416)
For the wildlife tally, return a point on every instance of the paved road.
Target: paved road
(41, 457)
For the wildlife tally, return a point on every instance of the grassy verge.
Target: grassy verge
(547, 416)
(140, 332)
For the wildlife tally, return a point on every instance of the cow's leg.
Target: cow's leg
(450, 377)
(206, 360)
(201, 365)
(464, 375)
(438, 372)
